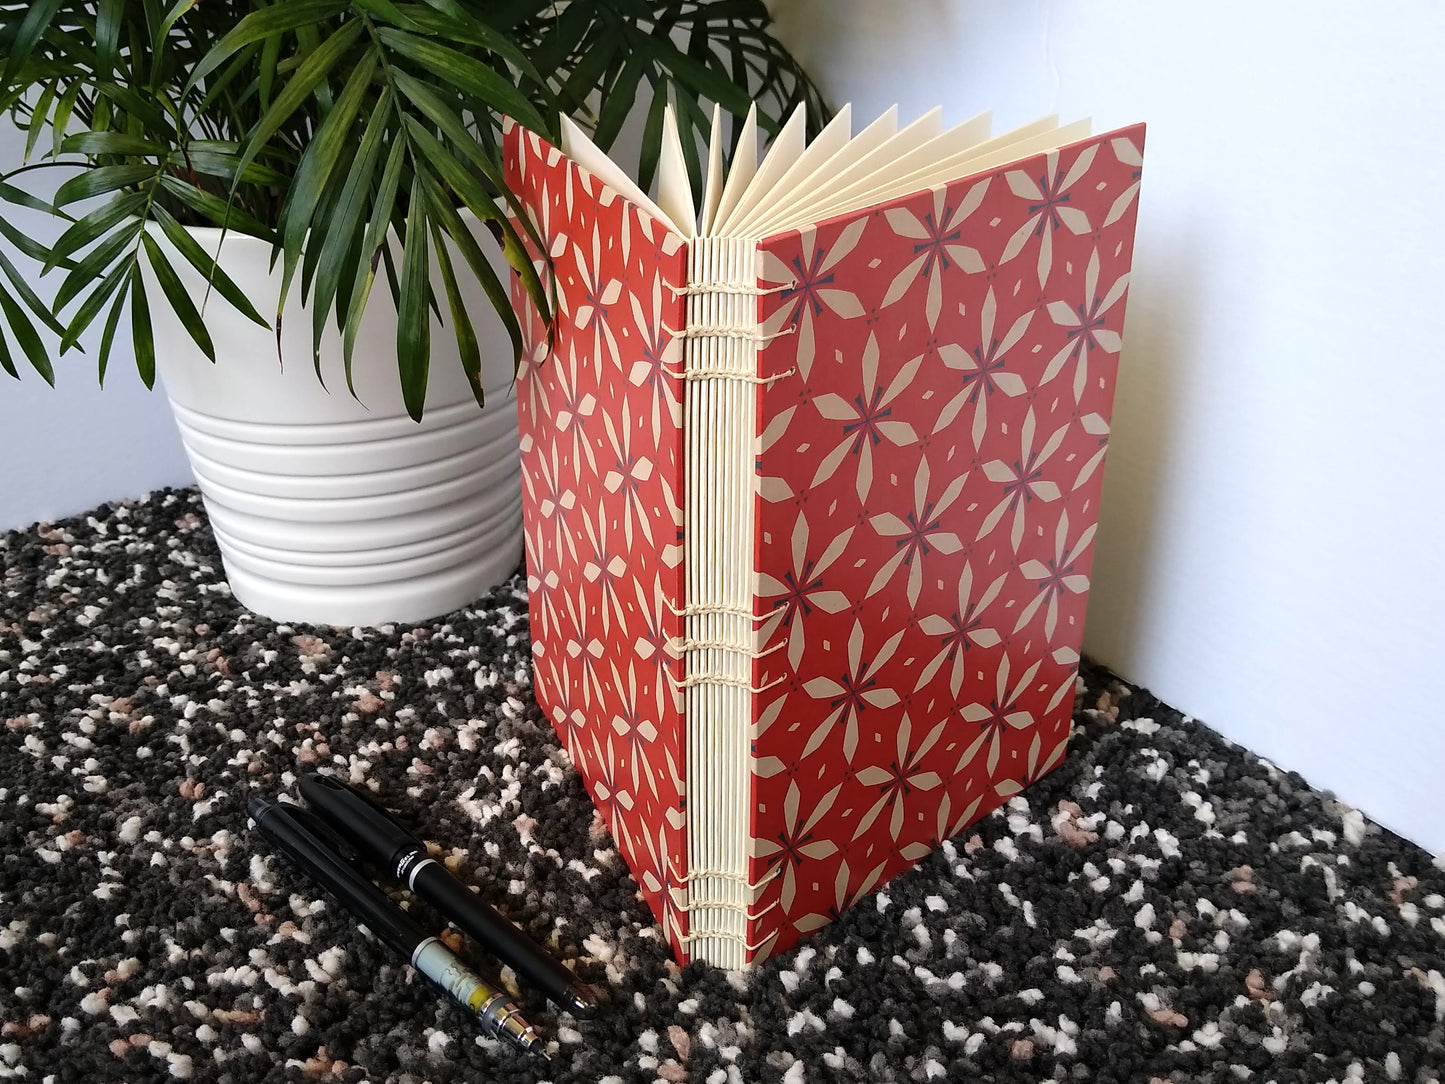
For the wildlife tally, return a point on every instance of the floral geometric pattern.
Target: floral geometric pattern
(943, 453)
(927, 485)
(601, 467)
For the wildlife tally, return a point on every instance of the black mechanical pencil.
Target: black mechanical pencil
(387, 844)
(314, 850)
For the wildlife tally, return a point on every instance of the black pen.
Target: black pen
(311, 847)
(387, 844)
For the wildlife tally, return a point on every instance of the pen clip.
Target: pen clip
(333, 839)
(379, 837)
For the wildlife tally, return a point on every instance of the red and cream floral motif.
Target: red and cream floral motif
(900, 778)
(984, 368)
(979, 378)
(800, 590)
(1005, 710)
(928, 477)
(1087, 326)
(852, 692)
(961, 630)
(922, 531)
(1025, 480)
(1055, 576)
(632, 725)
(1046, 193)
(809, 289)
(601, 461)
(655, 647)
(658, 360)
(937, 232)
(867, 421)
(598, 293)
(795, 845)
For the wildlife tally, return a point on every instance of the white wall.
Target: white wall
(73, 446)
(1269, 557)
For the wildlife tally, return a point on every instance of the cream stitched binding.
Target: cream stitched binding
(720, 643)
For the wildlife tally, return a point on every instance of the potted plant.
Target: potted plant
(242, 174)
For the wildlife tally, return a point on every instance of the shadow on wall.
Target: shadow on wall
(1162, 319)
(117, 442)
(859, 43)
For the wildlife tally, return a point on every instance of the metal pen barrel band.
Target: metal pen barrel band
(493, 1008)
(407, 869)
(508, 1018)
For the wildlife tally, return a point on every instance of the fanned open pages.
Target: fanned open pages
(798, 183)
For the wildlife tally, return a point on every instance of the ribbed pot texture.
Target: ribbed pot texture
(336, 509)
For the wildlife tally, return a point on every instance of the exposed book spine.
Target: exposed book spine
(720, 407)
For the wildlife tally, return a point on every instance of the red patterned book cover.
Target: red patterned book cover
(601, 429)
(930, 398)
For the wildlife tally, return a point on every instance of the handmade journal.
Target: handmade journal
(811, 480)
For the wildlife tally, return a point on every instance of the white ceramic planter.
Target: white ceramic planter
(337, 510)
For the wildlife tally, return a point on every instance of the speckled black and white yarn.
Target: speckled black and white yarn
(1165, 905)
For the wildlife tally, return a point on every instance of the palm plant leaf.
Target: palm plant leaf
(357, 137)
